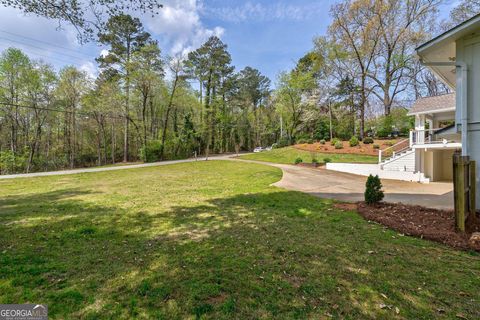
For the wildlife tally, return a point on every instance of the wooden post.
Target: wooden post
(473, 191)
(459, 164)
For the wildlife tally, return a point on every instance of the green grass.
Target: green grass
(212, 240)
(289, 154)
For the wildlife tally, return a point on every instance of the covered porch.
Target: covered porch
(435, 123)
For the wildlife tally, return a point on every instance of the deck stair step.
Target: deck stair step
(402, 161)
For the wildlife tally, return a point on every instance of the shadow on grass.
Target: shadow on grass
(264, 255)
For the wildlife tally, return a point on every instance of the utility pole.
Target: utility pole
(330, 116)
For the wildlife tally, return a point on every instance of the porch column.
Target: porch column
(420, 128)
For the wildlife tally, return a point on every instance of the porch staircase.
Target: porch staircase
(401, 162)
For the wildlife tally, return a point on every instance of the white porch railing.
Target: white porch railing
(426, 136)
(391, 151)
(417, 137)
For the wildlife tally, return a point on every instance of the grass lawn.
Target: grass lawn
(289, 154)
(213, 240)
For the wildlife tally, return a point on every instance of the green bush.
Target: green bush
(315, 161)
(298, 160)
(376, 146)
(151, 152)
(310, 141)
(322, 128)
(323, 141)
(13, 163)
(334, 141)
(275, 146)
(283, 142)
(367, 140)
(373, 190)
(7, 162)
(339, 145)
(353, 141)
(327, 160)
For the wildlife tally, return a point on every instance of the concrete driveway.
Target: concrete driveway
(350, 188)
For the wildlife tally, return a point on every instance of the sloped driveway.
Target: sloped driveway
(350, 188)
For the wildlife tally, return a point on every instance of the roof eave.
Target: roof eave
(447, 34)
(431, 111)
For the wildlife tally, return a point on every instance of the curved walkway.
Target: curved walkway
(318, 182)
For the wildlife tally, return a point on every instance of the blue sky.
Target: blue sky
(265, 34)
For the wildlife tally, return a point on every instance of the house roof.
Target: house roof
(435, 104)
(443, 49)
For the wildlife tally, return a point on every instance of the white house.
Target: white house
(443, 123)
(429, 149)
(454, 57)
(426, 155)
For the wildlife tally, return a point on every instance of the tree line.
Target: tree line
(131, 111)
(357, 80)
(362, 76)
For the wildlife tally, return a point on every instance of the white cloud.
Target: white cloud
(104, 53)
(250, 11)
(178, 26)
(90, 68)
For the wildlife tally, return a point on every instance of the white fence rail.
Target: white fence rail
(391, 151)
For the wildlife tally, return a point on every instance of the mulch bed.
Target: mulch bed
(363, 149)
(309, 165)
(431, 224)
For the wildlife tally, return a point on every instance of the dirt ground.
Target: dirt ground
(431, 224)
(366, 149)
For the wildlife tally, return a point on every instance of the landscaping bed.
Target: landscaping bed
(310, 165)
(364, 149)
(290, 154)
(431, 224)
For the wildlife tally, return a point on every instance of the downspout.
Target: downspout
(462, 66)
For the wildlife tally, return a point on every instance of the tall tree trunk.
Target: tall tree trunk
(363, 101)
(167, 115)
(113, 142)
(127, 103)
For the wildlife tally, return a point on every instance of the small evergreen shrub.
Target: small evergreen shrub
(315, 161)
(373, 190)
(275, 146)
(334, 141)
(353, 141)
(327, 160)
(368, 140)
(298, 160)
(322, 141)
(339, 145)
(376, 146)
(310, 141)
